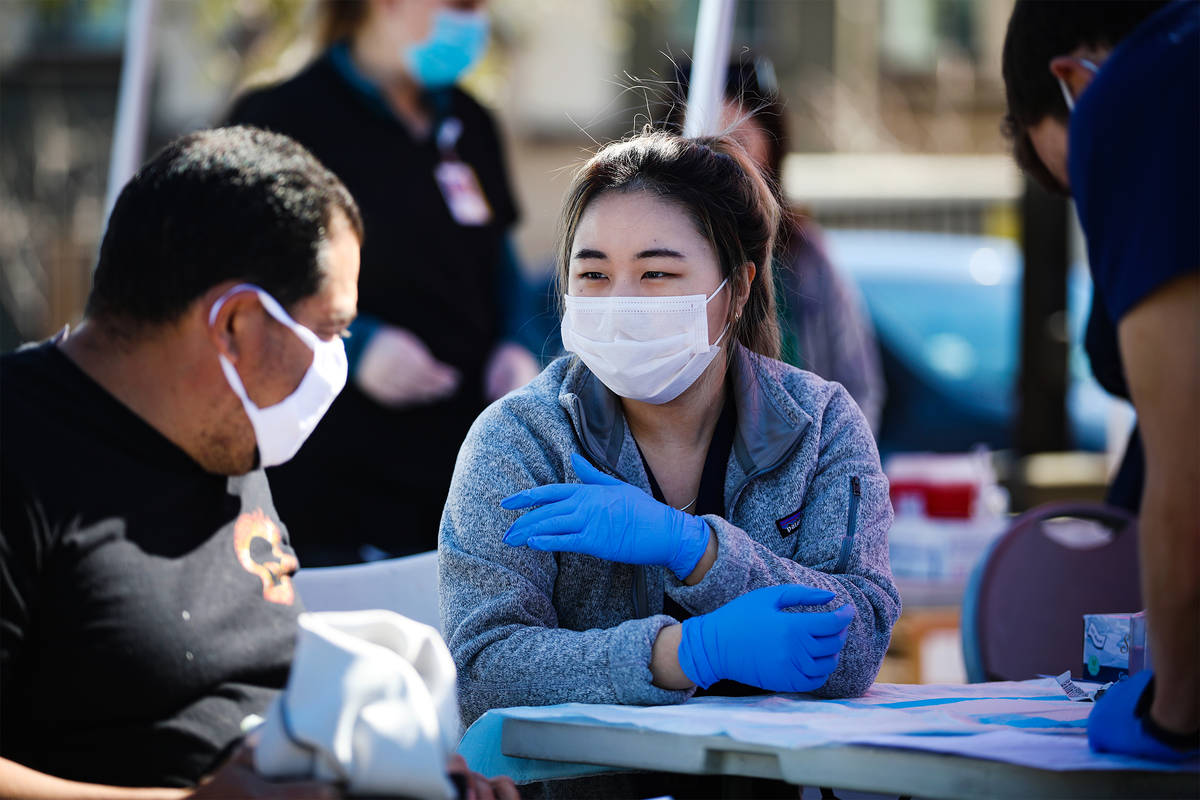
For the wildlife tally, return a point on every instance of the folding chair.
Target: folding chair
(407, 585)
(1024, 604)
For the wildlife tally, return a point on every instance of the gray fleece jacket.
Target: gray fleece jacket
(805, 502)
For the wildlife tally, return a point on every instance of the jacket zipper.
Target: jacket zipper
(851, 524)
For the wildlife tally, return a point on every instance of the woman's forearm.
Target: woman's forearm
(706, 561)
(664, 660)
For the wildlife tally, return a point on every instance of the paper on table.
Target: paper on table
(1023, 722)
(797, 720)
(1059, 753)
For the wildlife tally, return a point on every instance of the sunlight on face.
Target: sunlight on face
(637, 245)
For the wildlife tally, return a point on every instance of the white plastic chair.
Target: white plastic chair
(407, 585)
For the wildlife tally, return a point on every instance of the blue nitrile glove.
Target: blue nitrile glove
(754, 641)
(609, 519)
(1115, 724)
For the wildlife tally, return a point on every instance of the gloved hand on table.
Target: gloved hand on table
(754, 640)
(1116, 723)
(609, 519)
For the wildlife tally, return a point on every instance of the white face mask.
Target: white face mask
(281, 429)
(643, 348)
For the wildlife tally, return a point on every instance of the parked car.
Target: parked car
(946, 310)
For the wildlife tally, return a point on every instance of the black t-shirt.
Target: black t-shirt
(146, 606)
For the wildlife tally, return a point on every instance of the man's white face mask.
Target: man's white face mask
(281, 429)
(644, 348)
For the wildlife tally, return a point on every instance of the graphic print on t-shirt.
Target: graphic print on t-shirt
(267, 559)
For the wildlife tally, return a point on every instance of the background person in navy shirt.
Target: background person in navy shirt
(1104, 104)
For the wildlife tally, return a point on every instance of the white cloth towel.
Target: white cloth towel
(370, 703)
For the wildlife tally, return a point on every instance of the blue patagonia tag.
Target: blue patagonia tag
(791, 523)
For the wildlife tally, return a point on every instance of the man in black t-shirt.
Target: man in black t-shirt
(146, 602)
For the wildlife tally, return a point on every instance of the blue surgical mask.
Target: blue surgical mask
(458, 41)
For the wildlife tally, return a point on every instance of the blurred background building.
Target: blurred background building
(883, 78)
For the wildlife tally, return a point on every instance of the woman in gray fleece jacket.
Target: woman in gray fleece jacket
(673, 403)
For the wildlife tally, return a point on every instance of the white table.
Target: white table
(855, 767)
(566, 743)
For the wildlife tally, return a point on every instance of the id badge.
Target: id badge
(463, 194)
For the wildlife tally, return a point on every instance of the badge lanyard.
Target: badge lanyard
(457, 180)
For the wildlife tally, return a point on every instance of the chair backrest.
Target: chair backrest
(407, 585)
(1024, 604)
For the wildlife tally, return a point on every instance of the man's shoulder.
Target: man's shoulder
(1133, 160)
(29, 376)
(1143, 90)
(63, 432)
(36, 392)
(29, 353)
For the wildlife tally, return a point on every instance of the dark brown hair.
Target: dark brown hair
(1038, 32)
(717, 184)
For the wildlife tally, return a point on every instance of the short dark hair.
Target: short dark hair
(233, 203)
(1039, 31)
(714, 181)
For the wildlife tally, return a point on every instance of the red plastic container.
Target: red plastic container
(945, 500)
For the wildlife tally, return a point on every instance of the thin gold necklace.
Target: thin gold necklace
(689, 505)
